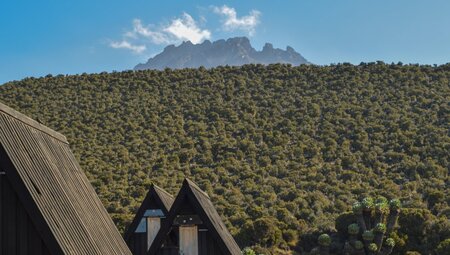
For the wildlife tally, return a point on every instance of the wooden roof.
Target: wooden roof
(53, 189)
(203, 206)
(157, 195)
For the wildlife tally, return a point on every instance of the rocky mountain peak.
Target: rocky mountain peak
(233, 51)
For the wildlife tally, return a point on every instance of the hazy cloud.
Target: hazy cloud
(232, 22)
(127, 45)
(155, 37)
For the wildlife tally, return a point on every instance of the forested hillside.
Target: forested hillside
(281, 150)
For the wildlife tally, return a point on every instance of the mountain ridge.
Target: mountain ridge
(235, 51)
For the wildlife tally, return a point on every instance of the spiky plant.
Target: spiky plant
(324, 241)
(368, 206)
(358, 211)
(381, 200)
(380, 228)
(394, 212)
(248, 251)
(357, 208)
(358, 245)
(373, 248)
(367, 203)
(368, 235)
(390, 242)
(395, 204)
(353, 229)
(376, 219)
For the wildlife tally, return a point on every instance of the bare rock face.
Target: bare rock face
(233, 52)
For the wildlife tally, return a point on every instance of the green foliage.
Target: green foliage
(343, 221)
(357, 208)
(263, 232)
(395, 204)
(248, 251)
(382, 208)
(367, 203)
(390, 242)
(359, 245)
(413, 253)
(381, 200)
(380, 228)
(396, 232)
(373, 247)
(353, 229)
(444, 247)
(373, 236)
(368, 235)
(324, 240)
(309, 139)
(421, 231)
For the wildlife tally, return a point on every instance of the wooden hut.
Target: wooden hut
(193, 227)
(47, 205)
(147, 222)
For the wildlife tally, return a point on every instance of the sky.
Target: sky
(69, 37)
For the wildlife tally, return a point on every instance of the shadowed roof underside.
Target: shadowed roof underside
(55, 192)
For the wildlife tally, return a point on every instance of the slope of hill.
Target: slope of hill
(279, 148)
(233, 52)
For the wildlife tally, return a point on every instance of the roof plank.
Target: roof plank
(54, 189)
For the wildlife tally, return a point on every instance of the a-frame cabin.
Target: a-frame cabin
(147, 222)
(47, 205)
(193, 227)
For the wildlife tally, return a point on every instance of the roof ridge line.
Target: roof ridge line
(32, 123)
(162, 190)
(195, 186)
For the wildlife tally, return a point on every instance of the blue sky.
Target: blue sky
(67, 37)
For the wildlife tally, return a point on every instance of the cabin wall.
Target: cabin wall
(138, 243)
(206, 243)
(18, 236)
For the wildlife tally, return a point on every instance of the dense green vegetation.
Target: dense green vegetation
(283, 151)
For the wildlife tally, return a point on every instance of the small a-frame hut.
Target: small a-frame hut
(193, 227)
(47, 205)
(147, 222)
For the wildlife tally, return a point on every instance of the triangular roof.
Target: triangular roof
(157, 195)
(55, 192)
(203, 206)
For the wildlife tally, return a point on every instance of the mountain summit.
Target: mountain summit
(234, 52)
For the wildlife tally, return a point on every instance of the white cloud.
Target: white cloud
(232, 22)
(155, 37)
(179, 29)
(185, 28)
(127, 45)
